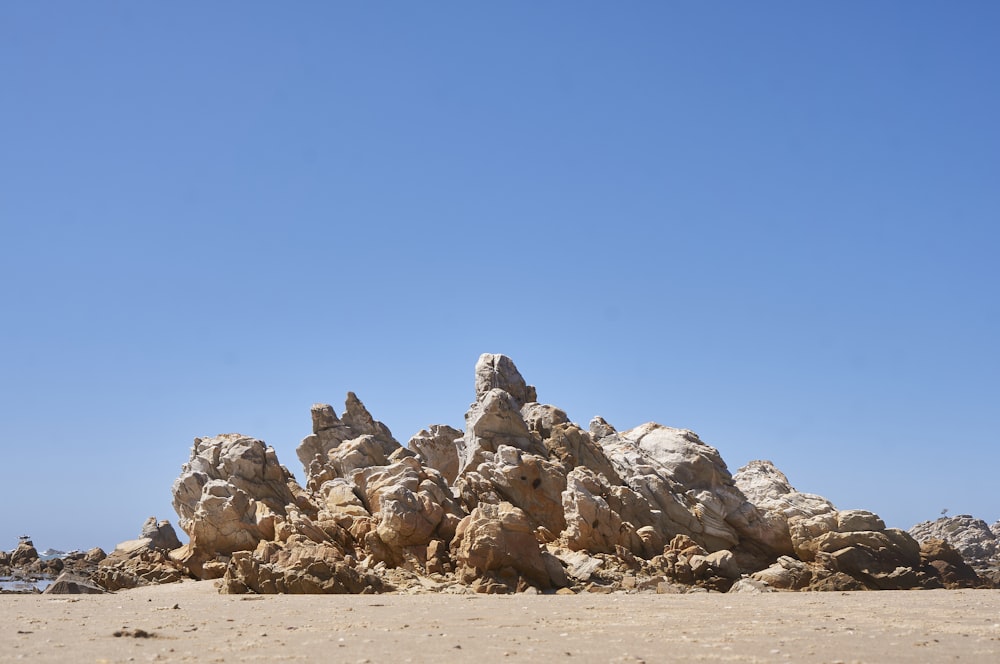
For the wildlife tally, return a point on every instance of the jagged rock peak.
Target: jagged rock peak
(357, 417)
(599, 428)
(329, 431)
(498, 371)
(323, 417)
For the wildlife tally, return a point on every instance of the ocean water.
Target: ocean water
(10, 584)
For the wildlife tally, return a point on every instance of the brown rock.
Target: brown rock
(498, 541)
(438, 449)
(530, 483)
(299, 566)
(70, 584)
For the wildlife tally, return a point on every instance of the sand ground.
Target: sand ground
(191, 622)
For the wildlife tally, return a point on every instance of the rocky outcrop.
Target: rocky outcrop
(143, 561)
(830, 544)
(492, 421)
(25, 555)
(497, 372)
(339, 445)
(68, 583)
(495, 550)
(949, 565)
(25, 564)
(230, 495)
(161, 534)
(977, 542)
(522, 500)
(298, 565)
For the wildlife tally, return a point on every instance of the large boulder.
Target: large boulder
(495, 550)
(410, 505)
(24, 555)
(228, 496)
(68, 583)
(949, 564)
(161, 534)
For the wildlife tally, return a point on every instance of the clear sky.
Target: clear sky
(775, 224)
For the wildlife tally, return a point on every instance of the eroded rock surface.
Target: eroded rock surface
(977, 542)
(522, 500)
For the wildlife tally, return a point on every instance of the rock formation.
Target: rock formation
(955, 542)
(978, 544)
(521, 500)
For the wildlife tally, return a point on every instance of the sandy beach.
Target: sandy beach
(190, 621)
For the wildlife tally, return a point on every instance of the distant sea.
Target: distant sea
(15, 584)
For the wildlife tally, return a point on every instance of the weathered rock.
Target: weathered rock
(71, 584)
(887, 560)
(780, 504)
(971, 537)
(750, 587)
(858, 520)
(599, 428)
(574, 447)
(591, 524)
(543, 418)
(410, 504)
(495, 420)
(498, 542)
(338, 501)
(530, 483)
(949, 565)
(437, 449)
(689, 484)
(523, 500)
(24, 555)
(320, 453)
(495, 371)
(768, 488)
(298, 566)
(786, 573)
(228, 497)
(95, 555)
(579, 565)
(136, 563)
(723, 563)
(161, 534)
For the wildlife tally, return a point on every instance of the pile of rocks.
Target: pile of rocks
(521, 500)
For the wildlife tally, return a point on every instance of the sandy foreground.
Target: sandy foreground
(191, 622)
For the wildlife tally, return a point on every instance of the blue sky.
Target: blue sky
(775, 224)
